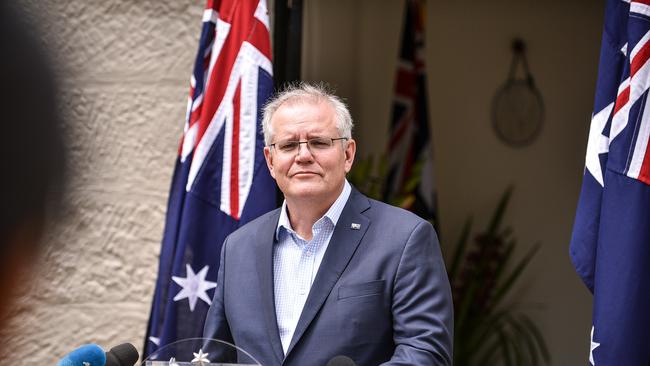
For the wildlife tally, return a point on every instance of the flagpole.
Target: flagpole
(287, 42)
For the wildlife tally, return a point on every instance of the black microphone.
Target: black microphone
(124, 354)
(341, 361)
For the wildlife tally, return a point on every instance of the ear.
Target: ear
(350, 150)
(268, 156)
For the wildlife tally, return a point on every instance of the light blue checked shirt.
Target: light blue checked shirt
(296, 262)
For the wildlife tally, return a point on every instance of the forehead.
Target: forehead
(308, 116)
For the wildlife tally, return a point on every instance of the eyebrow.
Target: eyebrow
(294, 136)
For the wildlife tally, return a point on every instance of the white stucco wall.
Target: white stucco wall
(125, 74)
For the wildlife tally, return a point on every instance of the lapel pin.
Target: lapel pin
(355, 226)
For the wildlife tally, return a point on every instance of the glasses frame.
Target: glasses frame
(307, 143)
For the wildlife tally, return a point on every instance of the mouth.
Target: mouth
(303, 174)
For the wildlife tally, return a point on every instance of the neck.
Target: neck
(304, 212)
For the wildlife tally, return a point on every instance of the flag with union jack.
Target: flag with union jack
(610, 245)
(409, 148)
(220, 181)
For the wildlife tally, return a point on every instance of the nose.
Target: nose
(304, 154)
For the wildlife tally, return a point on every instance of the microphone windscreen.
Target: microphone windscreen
(91, 354)
(124, 354)
(341, 361)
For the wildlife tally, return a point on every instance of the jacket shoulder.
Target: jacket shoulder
(265, 222)
(392, 214)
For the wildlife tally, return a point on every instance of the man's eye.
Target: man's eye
(287, 146)
(319, 143)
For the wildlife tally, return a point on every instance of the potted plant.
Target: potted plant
(486, 329)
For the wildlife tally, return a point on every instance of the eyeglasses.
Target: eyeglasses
(314, 145)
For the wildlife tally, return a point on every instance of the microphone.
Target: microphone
(91, 354)
(341, 361)
(124, 354)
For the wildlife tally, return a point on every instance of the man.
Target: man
(331, 272)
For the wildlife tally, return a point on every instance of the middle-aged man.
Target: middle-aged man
(331, 272)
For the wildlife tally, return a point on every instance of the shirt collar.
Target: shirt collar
(333, 213)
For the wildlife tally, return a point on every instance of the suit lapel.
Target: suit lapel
(341, 248)
(264, 258)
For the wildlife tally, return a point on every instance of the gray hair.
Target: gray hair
(309, 93)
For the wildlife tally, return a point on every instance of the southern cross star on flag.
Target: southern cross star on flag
(220, 180)
(610, 246)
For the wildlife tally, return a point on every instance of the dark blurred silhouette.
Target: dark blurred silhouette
(31, 148)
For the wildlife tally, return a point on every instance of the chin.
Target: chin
(305, 189)
(307, 192)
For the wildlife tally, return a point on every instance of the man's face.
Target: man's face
(316, 174)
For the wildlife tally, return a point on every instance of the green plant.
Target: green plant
(369, 177)
(487, 330)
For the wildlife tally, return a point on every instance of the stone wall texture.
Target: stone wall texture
(124, 68)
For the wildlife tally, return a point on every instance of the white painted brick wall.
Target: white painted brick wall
(125, 68)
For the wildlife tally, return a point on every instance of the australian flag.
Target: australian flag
(220, 181)
(409, 147)
(610, 246)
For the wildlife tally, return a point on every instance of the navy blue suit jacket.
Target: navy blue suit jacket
(381, 294)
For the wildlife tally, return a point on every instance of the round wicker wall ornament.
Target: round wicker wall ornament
(517, 106)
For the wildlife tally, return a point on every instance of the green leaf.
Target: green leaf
(502, 290)
(515, 342)
(460, 250)
(482, 330)
(503, 264)
(382, 168)
(464, 307)
(492, 346)
(537, 335)
(505, 347)
(522, 334)
(505, 233)
(416, 177)
(360, 174)
(495, 222)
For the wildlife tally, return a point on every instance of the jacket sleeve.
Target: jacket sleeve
(216, 324)
(422, 307)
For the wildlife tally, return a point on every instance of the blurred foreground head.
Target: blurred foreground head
(31, 150)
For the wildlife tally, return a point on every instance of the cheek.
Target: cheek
(281, 168)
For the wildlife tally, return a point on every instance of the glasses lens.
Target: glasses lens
(287, 146)
(320, 143)
(315, 144)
